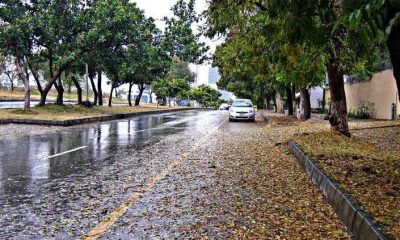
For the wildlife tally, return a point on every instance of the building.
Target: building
(213, 76)
(380, 92)
(316, 97)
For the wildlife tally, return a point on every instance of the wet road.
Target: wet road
(60, 185)
(16, 104)
(186, 175)
(20, 104)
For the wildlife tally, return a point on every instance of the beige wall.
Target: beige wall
(380, 90)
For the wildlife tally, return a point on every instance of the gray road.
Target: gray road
(61, 185)
(16, 104)
(20, 104)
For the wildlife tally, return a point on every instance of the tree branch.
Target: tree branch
(261, 6)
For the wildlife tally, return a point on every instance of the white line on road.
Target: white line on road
(69, 151)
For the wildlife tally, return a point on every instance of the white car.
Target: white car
(242, 109)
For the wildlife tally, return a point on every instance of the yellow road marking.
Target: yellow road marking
(112, 217)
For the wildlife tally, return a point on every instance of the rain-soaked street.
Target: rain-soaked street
(177, 175)
(48, 181)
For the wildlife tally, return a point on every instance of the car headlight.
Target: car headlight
(251, 111)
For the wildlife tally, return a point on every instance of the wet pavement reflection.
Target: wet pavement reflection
(81, 173)
(26, 160)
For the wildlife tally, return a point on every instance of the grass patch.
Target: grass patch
(369, 173)
(68, 112)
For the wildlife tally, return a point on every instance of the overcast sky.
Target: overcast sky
(158, 9)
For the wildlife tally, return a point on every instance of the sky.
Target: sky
(158, 9)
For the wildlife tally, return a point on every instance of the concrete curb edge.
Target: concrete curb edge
(74, 122)
(358, 222)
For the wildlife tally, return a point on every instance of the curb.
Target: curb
(376, 127)
(74, 122)
(358, 222)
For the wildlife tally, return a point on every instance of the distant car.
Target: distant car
(184, 103)
(224, 106)
(242, 109)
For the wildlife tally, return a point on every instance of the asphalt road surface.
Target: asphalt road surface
(186, 175)
(20, 104)
(63, 185)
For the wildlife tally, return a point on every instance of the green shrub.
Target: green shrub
(365, 111)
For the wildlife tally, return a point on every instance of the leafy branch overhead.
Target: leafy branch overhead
(180, 40)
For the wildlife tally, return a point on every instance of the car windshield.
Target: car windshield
(242, 104)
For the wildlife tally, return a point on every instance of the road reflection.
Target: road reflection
(24, 162)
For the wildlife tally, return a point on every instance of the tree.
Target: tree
(145, 63)
(377, 18)
(312, 27)
(7, 67)
(169, 88)
(181, 70)
(133, 30)
(56, 26)
(16, 38)
(180, 41)
(205, 95)
(183, 47)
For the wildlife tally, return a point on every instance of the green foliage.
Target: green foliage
(364, 111)
(170, 88)
(111, 36)
(375, 16)
(180, 41)
(261, 53)
(181, 70)
(205, 95)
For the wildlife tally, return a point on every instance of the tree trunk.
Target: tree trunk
(393, 44)
(23, 77)
(46, 90)
(150, 94)
(95, 93)
(267, 102)
(130, 94)
(294, 99)
(27, 96)
(139, 96)
(338, 116)
(323, 102)
(110, 98)
(99, 88)
(279, 103)
(12, 86)
(60, 91)
(305, 104)
(10, 78)
(35, 76)
(78, 89)
(289, 100)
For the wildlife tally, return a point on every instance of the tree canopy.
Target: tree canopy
(113, 37)
(272, 45)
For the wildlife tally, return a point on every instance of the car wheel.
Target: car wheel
(230, 120)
